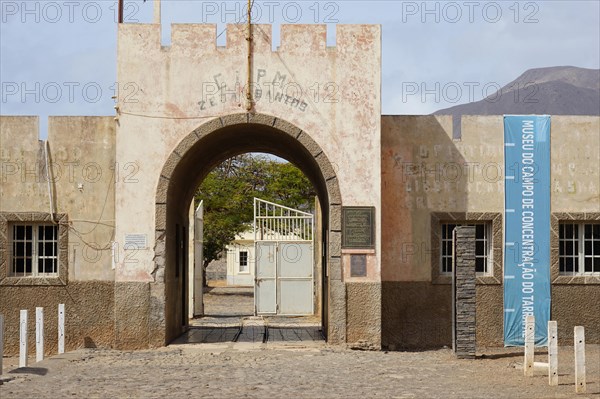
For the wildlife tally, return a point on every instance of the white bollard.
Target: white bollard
(529, 346)
(580, 384)
(39, 334)
(542, 366)
(1, 341)
(61, 328)
(552, 353)
(23, 339)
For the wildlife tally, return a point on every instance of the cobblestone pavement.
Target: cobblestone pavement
(311, 370)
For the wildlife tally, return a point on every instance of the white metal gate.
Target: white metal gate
(284, 260)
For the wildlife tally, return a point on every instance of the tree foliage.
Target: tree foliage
(228, 193)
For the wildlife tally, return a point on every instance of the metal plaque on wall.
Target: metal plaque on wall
(358, 265)
(358, 227)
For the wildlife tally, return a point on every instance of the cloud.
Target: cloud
(423, 43)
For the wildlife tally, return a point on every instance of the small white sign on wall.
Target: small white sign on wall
(136, 241)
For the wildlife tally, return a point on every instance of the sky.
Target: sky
(59, 57)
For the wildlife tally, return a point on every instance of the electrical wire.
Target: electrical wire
(167, 117)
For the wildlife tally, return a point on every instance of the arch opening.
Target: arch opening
(192, 160)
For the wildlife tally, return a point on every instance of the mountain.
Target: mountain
(564, 90)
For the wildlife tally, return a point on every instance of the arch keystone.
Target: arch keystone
(261, 119)
(234, 119)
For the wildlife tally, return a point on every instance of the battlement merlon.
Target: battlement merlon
(20, 135)
(297, 39)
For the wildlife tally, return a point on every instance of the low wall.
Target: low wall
(419, 315)
(89, 318)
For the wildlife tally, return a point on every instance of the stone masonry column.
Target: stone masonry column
(464, 292)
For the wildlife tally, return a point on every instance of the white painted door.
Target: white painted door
(295, 278)
(265, 287)
(284, 263)
(197, 278)
(284, 278)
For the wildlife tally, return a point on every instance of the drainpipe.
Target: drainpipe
(249, 39)
(46, 156)
(120, 11)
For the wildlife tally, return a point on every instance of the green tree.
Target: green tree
(228, 193)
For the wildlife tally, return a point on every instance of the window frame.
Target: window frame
(247, 269)
(579, 241)
(9, 219)
(35, 256)
(568, 217)
(489, 253)
(494, 219)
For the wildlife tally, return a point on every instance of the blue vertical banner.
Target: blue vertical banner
(526, 227)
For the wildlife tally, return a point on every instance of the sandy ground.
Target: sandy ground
(300, 371)
(289, 370)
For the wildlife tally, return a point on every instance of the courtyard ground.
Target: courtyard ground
(286, 367)
(310, 370)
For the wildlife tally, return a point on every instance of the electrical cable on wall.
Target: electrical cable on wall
(249, 100)
(49, 180)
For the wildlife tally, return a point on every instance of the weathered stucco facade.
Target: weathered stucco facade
(183, 109)
(428, 177)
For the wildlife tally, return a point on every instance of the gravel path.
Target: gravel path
(291, 371)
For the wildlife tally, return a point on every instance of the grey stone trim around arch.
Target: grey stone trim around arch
(336, 287)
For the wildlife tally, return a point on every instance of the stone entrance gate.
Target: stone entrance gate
(192, 112)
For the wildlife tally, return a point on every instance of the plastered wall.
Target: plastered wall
(427, 177)
(338, 106)
(335, 102)
(82, 173)
(82, 166)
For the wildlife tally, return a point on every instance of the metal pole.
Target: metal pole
(249, 81)
(121, 11)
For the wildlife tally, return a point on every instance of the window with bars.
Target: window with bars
(482, 247)
(579, 248)
(243, 261)
(34, 250)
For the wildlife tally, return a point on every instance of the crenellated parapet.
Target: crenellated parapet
(78, 158)
(305, 39)
(193, 77)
